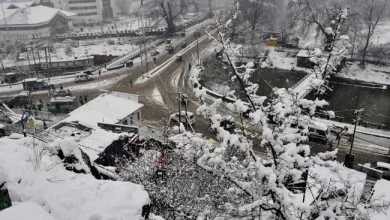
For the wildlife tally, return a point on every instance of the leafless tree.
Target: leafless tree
(170, 10)
(373, 14)
(123, 5)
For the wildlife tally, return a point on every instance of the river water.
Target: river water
(345, 97)
(348, 95)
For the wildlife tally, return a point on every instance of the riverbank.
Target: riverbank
(374, 74)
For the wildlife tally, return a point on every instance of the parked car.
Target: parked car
(83, 77)
(34, 84)
(20, 100)
(62, 93)
(381, 166)
(183, 44)
(129, 63)
(184, 118)
(318, 132)
(179, 57)
(154, 53)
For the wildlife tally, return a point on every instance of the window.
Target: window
(80, 1)
(87, 14)
(82, 8)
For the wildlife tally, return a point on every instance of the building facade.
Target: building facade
(88, 11)
(31, 21)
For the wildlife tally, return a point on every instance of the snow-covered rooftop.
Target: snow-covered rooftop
(92, 141)
(64, 194)
(303, 53)
(106, 108)
(25, 210)
(31, 15)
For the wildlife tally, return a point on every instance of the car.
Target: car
(34, 84)
(318, 132)
(83, 77)
(20, 100)
(188, 117)
(154, 53)
(381, 166)
(179, 57)
(129, 63)
(62, 93)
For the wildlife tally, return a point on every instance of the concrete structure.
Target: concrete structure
(25, 21)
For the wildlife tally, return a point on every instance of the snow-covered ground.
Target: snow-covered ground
(25, 210)
(157, 97)
(345, 178)
(284, 60)
(103, 49)
(372, 73)
(382, 193)
(375, 74)
(64, 194)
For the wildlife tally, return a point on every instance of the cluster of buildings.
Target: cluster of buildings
(44, 18)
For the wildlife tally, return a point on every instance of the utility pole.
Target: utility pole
(179, 108)
(35, 64)
(197, 46)
(2, 66)
(5, 21)
(349, 159)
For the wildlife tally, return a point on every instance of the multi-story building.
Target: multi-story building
(88, 11)
(24, 21)
(107, 10)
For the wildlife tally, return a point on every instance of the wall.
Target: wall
(24, 34)
(134, 119)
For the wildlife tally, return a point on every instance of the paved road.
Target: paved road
(160, 93)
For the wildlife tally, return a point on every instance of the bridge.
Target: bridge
(303, 87)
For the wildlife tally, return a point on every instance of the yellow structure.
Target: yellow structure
(271, 41)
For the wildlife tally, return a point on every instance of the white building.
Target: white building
(88, 11)
(25, 21)
(109, 108)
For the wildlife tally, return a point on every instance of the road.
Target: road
(159, 95)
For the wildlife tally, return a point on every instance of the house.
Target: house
(102, 146)
(303, 59)
(104, 128)
(109, 108)
(27, 20)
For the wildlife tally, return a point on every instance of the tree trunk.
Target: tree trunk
(363, 63)
(168, 17)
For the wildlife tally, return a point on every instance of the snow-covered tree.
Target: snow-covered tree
(372, 15)
(263, 169)
(268, 180)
